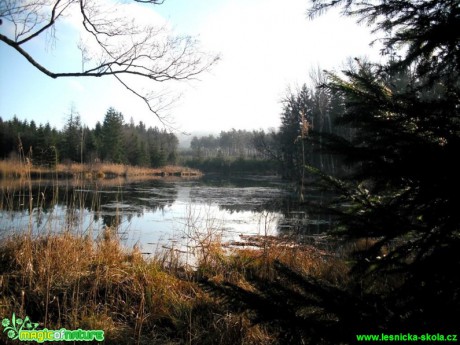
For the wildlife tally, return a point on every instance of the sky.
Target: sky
(265, 46)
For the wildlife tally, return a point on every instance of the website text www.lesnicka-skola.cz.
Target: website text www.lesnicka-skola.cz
(408, 337)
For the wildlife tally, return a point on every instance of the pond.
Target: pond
(158, 212)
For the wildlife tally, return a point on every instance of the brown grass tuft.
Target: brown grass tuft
(261, 257)
(69, 281)
(24, 168)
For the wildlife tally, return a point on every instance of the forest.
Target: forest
(119, 142)
(113, 141)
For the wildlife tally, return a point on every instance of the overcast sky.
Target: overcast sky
(266, 46)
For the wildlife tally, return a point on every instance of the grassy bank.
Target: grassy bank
(24, 169)
(274, 292)
(75, 282)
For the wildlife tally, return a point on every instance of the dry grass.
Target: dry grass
(101, 170)
(19, 168)
(262, 254)
(75, 281)
(23, 168)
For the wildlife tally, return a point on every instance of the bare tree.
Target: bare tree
(115, 44)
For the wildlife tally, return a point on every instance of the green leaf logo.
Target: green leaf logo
(15, 325)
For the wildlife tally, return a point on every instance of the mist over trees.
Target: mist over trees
(114, 140)
(230, 151)
(234, 143)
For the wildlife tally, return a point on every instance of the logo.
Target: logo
(14, 326)
(26, 330)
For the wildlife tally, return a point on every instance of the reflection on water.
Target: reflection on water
(157, 211)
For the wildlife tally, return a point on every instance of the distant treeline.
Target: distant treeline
(308, 120)
(229, 152)
(112, 141)
(228, 144)
(225, 165)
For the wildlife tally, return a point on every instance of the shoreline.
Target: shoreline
(93, 171)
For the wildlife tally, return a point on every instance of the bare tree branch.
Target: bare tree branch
(54, 17)
(160, 105)
(156, 2)
(115, 45)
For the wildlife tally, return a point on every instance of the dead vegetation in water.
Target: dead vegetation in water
(106, 170)
(24, 168)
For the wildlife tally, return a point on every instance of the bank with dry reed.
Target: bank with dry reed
(25, 169)
(77, 281)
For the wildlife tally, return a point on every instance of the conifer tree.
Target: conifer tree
(71, 146)
(404, 183)
(112, 137)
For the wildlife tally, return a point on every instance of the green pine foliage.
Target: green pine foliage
(112, 141)
(112, 137)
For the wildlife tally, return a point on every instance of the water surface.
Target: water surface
(158, 212)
